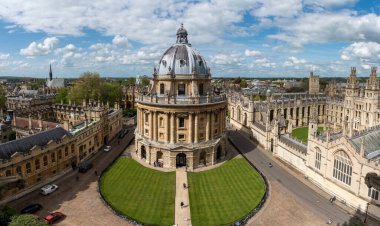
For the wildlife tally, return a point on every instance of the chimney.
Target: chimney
(362, 147)
(30, 121)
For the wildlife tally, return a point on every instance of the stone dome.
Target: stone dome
(181, 58)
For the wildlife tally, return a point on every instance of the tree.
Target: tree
(130, 112)
(26, 220)
(62, 95)
(145, 80)
(110, 92)
(6, 213)
(131, 81)
(87, 87)
(243, 83)
(3, 99)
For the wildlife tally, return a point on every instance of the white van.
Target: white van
(47, 189)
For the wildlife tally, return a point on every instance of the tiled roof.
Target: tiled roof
(26, 143)
(371, 142)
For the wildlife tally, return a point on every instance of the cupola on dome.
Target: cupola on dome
(181, 58)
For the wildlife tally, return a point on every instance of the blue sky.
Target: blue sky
(247, 38)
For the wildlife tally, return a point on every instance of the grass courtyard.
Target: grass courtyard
(140, 193)
(225, 194)
(301, 133)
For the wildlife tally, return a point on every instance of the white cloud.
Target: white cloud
(263, 62)
(292, 61)
(224, 58)
(325, 27)
(286, 8)
(68, 48)
(4, 56)
(362, 51)
(120, 40)
(43, 48)
(253, 53)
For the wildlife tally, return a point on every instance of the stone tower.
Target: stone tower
(313, 83)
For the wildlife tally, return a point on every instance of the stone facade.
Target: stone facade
(181, 121)
(338, 159)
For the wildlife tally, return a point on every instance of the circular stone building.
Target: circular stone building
(181, 119)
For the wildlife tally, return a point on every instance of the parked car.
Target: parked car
(32, 208)
(84, 167)
(123, 133)
(54, 217)
(47, 189)
(107, 148)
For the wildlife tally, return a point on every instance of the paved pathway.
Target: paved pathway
(182, 214)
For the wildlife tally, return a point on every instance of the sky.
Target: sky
(246, 38)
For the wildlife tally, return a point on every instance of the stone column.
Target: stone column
(212, 124)
(155, 125)
(208, 126)
(167, 126)
(190, 131)
(172, 128)
(151, 125)
(196, 130)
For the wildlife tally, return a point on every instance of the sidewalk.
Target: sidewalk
(182, 213)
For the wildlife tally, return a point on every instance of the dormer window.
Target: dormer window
(182, 63)
(200, 63)
(163, 62)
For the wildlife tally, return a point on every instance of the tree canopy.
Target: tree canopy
(243, 83)
(6, 213)
(3, 99)
(89, 86)
(26, 220)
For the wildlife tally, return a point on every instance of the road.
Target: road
(69, 187)
(291, 183)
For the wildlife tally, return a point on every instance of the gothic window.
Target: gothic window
(18, 170)
(52, 157)
(45, 160)
(60, 154)
(66, 151)
(181, 122)
(342, 167)
(162, 88)
(318, 158)
(373, 193)
(37, 164)
(28, 167)
(181, 89)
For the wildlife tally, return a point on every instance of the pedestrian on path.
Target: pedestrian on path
(184, 185)
(182, 204)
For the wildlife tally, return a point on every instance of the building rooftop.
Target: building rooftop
(24, 144)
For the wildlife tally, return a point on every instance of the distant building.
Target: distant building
(52, 85)
(313, 84)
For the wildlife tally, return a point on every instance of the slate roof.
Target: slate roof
(26, 143)
(371, 141)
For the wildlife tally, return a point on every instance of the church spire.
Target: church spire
(50, 74)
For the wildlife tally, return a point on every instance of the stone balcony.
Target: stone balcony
(179, 100)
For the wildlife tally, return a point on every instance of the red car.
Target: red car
(54, 217)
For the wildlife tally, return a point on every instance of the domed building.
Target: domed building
(181, 120)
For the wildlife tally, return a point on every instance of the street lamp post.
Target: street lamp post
(366, 213)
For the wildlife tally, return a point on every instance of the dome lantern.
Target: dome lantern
(182, 35)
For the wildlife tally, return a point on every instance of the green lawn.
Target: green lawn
(225, 194)
(301, 133)
(140, 193)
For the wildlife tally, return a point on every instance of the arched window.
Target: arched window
(28, 168)
(238, 114)
(45, 160)
(342, 167)
(162, 88)
(37, 164)
(318, 158)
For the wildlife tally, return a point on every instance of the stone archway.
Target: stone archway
(159, 159)
(143, 152)
(181, 160)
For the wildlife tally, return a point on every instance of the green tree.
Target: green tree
(88, 86)
(131, 81)
(3, 99)
(243, 83)
(6, 213)
(26, 220)
(110, 92)
(62, 95)
(130, 112)
(145, 80)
